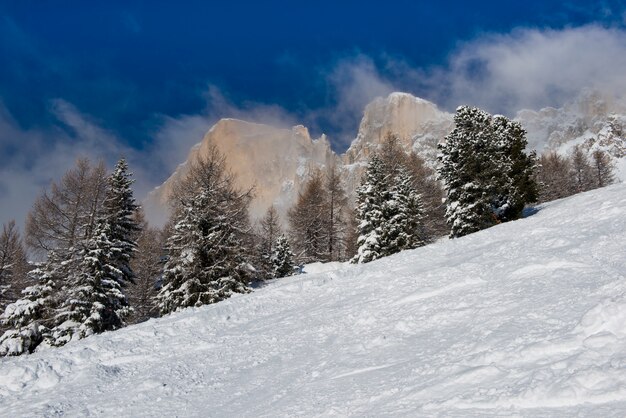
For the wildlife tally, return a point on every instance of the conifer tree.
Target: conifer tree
(268, 231)
(30, 318)
(516, 186)
(119, 208)
(282, 258)
(371, 198)
(207, 257)
(403, 214)
(94, 301)
(486, 173)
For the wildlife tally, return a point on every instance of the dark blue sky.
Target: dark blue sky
(126, 63)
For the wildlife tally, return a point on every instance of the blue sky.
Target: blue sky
(146, 79)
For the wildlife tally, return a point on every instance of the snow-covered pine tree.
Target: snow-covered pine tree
(282, 258)
(403, 228)
(371, 197)
(516, 186)
(118, 212)
(31, 318)
(93, 300)
(486, 173)
(268, 231)
(208, 259)
(467, 171)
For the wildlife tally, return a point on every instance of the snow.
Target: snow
(526, 318)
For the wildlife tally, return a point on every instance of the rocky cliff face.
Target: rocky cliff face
(275, 162)
(593, 120)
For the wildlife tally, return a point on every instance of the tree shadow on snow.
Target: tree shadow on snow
(530, 211)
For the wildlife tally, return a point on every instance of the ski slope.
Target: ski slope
(526, 318)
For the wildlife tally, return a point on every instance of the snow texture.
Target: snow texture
(525, 318)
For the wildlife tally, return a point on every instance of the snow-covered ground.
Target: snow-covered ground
(527, 318)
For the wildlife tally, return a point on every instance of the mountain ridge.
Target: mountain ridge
(276, 161)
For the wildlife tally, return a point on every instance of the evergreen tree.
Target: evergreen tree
(516, 186)
(31, 318)
(93, 301)
(487, 175)
(282, 258)
(371, 198)
(269, 230)
(207, 258)
(403, 214)
(118, 213)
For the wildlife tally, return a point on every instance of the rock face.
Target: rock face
(276, 162)
(418, 123)
(592, 120)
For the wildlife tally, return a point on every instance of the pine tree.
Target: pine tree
(403, 214)
(371, 198)
(31, 318)
(269, 230)
(207, 259)
(517, 186)
(487, 175)
(94, 301)
(118, 212)
(467, 171)
(282, 258)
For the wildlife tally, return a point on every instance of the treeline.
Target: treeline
(104, 267)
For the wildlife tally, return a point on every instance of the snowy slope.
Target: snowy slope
(527, 318)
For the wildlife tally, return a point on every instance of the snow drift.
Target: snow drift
(524, 318)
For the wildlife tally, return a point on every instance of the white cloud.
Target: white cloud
(532, 68)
